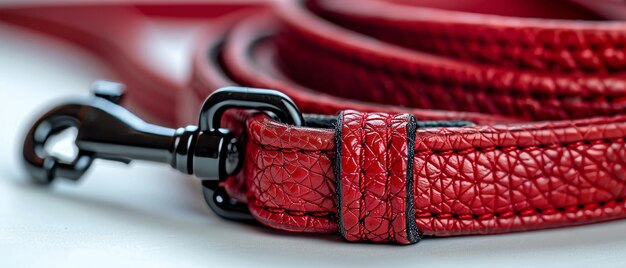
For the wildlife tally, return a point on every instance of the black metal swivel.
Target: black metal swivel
(107, 130)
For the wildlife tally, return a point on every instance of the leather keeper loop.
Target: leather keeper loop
(375, 177)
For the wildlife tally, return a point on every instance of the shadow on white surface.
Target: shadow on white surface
(147, 214)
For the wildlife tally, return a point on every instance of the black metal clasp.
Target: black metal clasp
(106, 130)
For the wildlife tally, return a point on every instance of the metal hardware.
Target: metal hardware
(108, 131)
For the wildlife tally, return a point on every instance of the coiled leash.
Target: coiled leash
(388, 120)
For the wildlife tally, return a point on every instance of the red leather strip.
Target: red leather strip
(375, 177)
(468, 180)
(399, 76)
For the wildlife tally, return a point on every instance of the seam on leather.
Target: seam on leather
(388, 212)
(413, 234)
(290, 150)
(337, 169)
(506, 43)
(516, 128)
(361, 175)
(317, 214)
(424, 215)
(422, 152)
(526, 212)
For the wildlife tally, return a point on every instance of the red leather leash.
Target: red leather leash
(544, 94)
(467, 180)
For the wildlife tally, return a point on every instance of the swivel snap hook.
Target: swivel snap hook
(108, 131)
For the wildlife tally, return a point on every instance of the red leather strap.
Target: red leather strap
(470, 180)
(374, 173)
(416, 78)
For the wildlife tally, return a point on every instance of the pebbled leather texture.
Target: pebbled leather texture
(417, 78)
(543, 82)
(468, 180)
(491, 178)
(374, 174)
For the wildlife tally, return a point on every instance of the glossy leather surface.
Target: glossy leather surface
(492, 178)
(544, 89)
(374, 174)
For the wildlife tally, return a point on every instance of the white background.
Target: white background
(149, 215)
